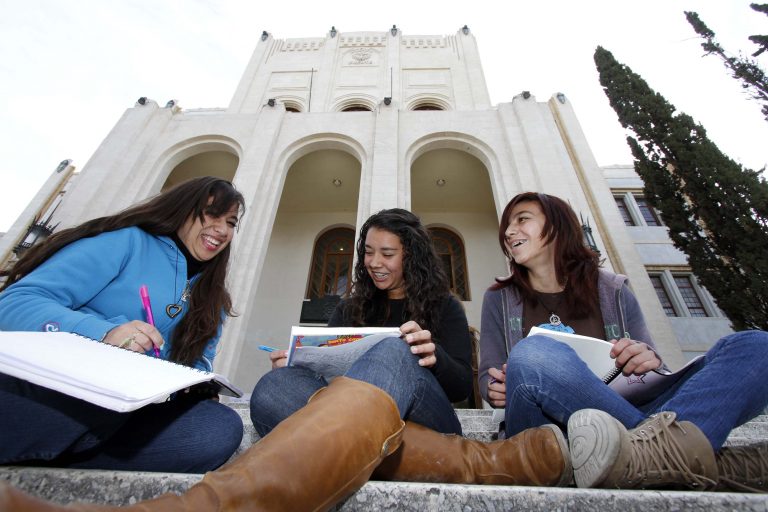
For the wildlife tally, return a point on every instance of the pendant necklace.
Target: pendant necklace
(555, 323)
(172, 310)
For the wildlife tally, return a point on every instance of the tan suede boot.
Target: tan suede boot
(658, 453)
(537, 456)
(743, 468)
(312, 460)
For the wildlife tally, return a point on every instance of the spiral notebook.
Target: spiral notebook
(105, 375)
(637, 389)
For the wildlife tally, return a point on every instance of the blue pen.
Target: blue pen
(267, 349)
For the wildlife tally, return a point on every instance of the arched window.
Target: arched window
(331, 270)
(356, 108)
(450, 249)
(427, 106)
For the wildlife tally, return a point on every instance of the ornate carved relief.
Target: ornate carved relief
(360, 56)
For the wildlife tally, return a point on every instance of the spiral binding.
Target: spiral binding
(611, 375)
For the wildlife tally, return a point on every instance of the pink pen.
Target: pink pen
(144, 292)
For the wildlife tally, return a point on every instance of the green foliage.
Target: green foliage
(747, 71)
(716, 211)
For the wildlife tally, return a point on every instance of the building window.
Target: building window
(649, 214)
(663, 296)
(621, 202)
(331, 270)
(356, 108)
(690, 297)
(680, 295)
(450, 250)
(635, 210)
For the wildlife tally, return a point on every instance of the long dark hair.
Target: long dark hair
(426, 283)
(164, 214)
(576, 265)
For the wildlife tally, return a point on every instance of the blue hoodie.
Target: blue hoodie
(92, 285)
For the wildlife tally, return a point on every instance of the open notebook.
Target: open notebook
(637, 389)
(105, 375)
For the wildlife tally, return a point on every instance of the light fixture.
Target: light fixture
(170, 104)
(526, 94)
(440, 182)
(393, 30)
(561, 97)
(387, 100)
(588, 238)
(333, 32)
(271, 102)
(264, 35)
(142, 100)
(336, 182)
(465, 29)
(63, 165)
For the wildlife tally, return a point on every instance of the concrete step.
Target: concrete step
(122, 488)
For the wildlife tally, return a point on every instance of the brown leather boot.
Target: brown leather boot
(743, 468)
(537, 456)
(659, 453)
(312, 460)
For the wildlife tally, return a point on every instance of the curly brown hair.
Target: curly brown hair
(426, 283)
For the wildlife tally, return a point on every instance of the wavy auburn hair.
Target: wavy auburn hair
(576, 264)
(426, 283)
(163, 215)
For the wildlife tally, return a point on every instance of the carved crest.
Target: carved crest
(361, 56)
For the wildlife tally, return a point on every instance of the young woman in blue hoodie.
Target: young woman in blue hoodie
(86, 280)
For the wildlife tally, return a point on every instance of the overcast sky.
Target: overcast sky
(69, 69)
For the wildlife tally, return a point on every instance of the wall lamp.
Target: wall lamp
(465, 29)
(560, 97)
(142, 100)
(526, 94)
(264, 35)
(333, 32)
(271, 102)
(393, 30)
(387, 100)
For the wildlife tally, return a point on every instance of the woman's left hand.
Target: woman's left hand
(421, 343)
(634, 357)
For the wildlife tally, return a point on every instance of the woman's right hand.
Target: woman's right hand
(279, 358)
(497, 387)
(135, 335)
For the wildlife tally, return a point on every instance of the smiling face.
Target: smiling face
(205, 240)
(384, 262)
(523, 236)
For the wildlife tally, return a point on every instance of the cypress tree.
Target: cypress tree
(744, 69)
(716, 211)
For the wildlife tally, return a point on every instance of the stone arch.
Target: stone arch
(364, 101)
(429, 102)
(208, 155)
(450, 186)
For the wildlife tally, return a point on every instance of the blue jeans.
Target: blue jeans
(43, 427)
(546, 382)
(389, 365)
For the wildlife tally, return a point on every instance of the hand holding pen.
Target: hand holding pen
(135, 335)
(497, 388)
(144, 293)
(278, 357)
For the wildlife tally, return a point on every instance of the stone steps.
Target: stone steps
(122, 488)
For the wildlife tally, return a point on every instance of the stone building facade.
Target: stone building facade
(322, 132)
